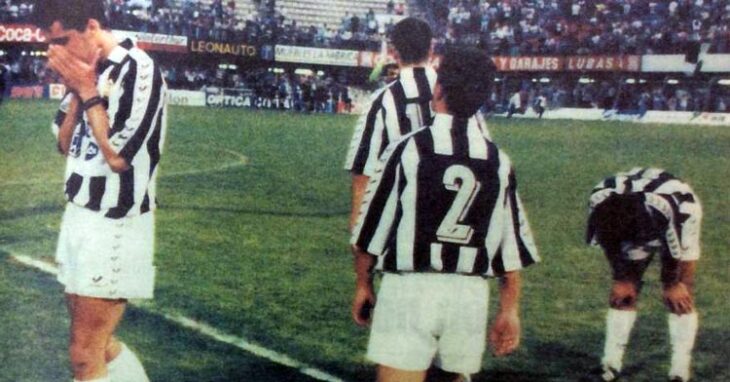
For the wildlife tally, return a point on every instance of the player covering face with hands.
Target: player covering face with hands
(440, 216)
(111, 127)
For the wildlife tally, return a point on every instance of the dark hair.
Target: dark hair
(625, 218)
(466, 76)
(412, 39)
(72, 14)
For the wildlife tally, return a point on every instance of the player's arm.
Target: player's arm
(677, 282)
(364, 299)
(359, 184)
(80, 77)
(99, 122)
(504, 334)
(68, 123)
(363, 155)
(365, 245)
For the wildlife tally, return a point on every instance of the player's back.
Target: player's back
(454, 186)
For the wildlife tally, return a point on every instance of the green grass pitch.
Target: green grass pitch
(251, 238)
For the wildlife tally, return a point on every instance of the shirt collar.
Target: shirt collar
(120, 51)
(446, 121)
(441, 120)
(410, 69)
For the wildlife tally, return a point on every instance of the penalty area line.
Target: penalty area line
(203, 328)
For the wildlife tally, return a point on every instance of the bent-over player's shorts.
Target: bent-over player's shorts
(106, 258)
(425, 318)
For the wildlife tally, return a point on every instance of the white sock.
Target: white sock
(618, 329)
(102, 379)
(126, 367)
(682, 333)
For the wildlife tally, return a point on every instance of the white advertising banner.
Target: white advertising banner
(317, 56)
(674, 63)
(185, 97)
(155, 41)
(653, 116)
(56, 91)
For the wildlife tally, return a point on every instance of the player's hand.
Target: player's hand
(363, 304)
(504, 336)
(78, 75)
(623, 294)
(678, 299)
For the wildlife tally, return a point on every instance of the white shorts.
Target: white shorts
(106, 258)
(422, 319)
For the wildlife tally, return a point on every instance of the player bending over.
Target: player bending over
(634, 216)
(440, 215)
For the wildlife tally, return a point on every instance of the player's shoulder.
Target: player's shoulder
(141, 57)
(380, 93)
(409, 140)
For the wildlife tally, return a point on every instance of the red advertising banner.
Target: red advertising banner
(21, 33)
(26, 92)
(603, 63)
(568, 64)
(528, 64)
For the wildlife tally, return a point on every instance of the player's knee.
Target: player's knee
(623, 298)
(85, 358)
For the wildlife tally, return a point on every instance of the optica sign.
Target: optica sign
(21, 33)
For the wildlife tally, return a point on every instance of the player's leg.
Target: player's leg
(123, 364)
(510, 110)
(683, 330)
(401, 341)
(389, 374)
(437, 375)
(621, 315)
(462, 340)
(434, 374)
(136, 281)
(93, 321)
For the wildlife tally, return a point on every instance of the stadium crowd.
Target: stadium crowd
(511, 27)
(568, 27)
(12, 11)
(265, 88)
(313, 93)
(613, 94)
(267, 24)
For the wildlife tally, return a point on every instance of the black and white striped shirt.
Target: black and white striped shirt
(670, 196)
(135, 94)
(396, 110)
(445, 200)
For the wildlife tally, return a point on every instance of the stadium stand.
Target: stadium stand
(314, 12)
(524, 27)
(14, 10)
(508, 28)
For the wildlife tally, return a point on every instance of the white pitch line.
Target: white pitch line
(241, 161)
(205, 329)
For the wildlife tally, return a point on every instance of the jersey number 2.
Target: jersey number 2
(461, 179)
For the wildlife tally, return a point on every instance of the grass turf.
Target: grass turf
(259, 247)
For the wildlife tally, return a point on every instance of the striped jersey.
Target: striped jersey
(445, 200)
(395, 110)
(666, 194)
(134, 92)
